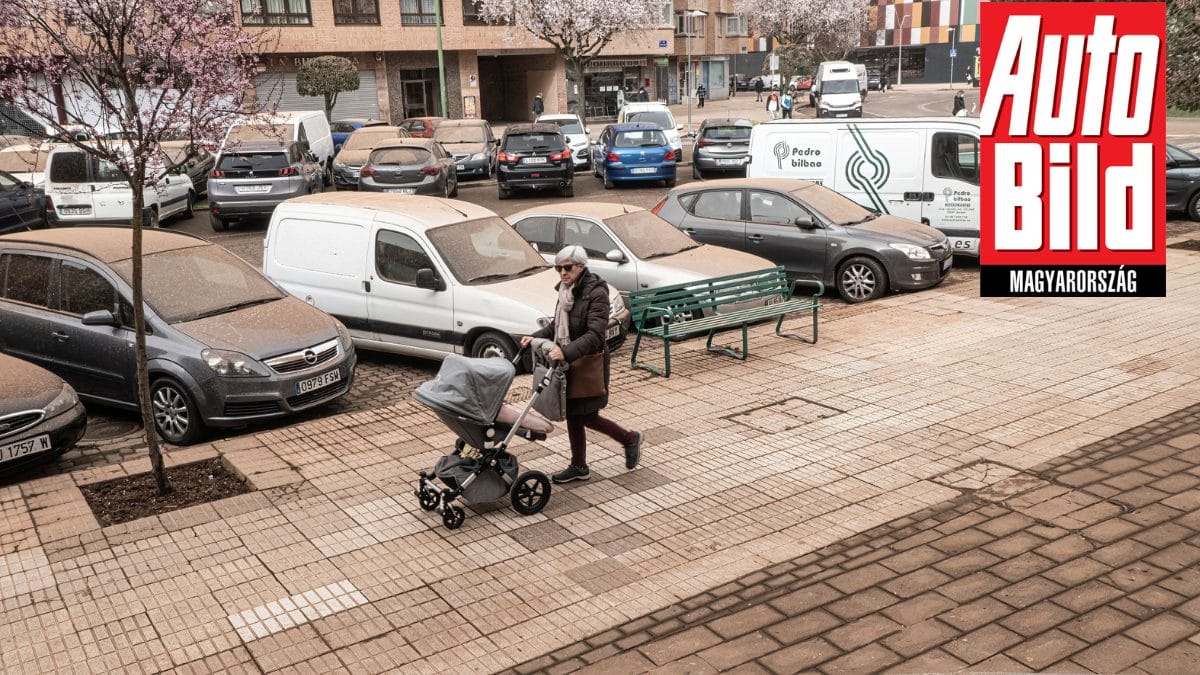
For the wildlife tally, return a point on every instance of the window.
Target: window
(7, 182)
(276, 13)
(81, 290)
(722, 204)
(589, 235)
(27, 279)
(955, 156)
(666, 10)
(471, 17)
(736, 25)
(540, 231)
(774, 209)
(356, 12)
(398, 257)
(69, 167)
(689, 25)
(639, 139)
(419, 12)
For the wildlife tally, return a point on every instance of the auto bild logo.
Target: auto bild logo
(868, 170)
(1073, 129)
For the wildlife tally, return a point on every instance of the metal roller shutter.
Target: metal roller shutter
(281, 87)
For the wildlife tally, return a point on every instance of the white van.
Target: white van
(925, 169)
(653, 112)
(835, 91)
(309, 128)
(416, 275)
(82, 190)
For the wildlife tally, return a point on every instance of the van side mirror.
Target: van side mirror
(428, 280)
(615, 255)
(100, 317)
(587, 130)
(805, 222)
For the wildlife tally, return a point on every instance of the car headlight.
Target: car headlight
(65, 400)
(913, 252)
(232, 364)
(477, 157)
(344, 334)
(543, 321)
(616, 304)
(339, 165)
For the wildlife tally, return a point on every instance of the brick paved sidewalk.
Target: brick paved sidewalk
(1085, 563)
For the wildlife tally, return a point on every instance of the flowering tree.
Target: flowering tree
(149, 70)
(578, 29)
(327, 76)
(828, 29)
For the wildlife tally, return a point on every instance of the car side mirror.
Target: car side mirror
(678, 127)
(615, 255)
(535, 246)
(101, 317)
(27, 185)
(805, 222)
(587, 130)
(428, 280)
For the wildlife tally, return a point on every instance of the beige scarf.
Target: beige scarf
(562, 325)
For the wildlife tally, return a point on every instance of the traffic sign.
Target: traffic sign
(953, 53)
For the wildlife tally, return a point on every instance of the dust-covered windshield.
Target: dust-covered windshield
(649, 236)
(659, 117)
(367, 138)
(457, 134)
(846, 86)
(484, 250)
(832, 205)
(192, 283)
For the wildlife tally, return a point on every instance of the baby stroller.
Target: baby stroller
(468, 396)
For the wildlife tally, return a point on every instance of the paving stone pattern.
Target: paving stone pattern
(1086, 563)
(909, 401)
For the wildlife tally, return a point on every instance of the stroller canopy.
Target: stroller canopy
(472, 388)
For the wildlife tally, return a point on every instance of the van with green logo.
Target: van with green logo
(924, 169)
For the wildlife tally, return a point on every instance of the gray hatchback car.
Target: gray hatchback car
(722, 146)
(226, 346)
(814, 232)
(252, 179)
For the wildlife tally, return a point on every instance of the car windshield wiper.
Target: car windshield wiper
(231, 308)
(650, 145)
(489, 277)
(527, 270)
(866, 218)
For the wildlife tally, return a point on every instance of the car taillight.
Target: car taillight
(561, 156)
(701, 144)
(670, 156)
(49, 204)
(290, 171)
(658, 207)
(508, 158)
(216, 173)
(367, 171)
(613, 157)
(431, 170)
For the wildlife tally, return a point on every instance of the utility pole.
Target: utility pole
(900, 51)
(437, 18)
(953, 53)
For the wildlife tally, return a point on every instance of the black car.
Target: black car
(199, 162)
(40, 415)
(1183, 182)
(814, 232)
(535, 157)
(22, 206)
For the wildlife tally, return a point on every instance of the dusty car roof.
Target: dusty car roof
(533, 128)
(463, 123)
(782, 184)
(427, 212)
(599, 210)
(258, 146)
(726, 121)
(106, 244)
(426, 143)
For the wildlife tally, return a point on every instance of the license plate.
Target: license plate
(402, 191)
(612, 332)
(774, 299)
(533, 160)
(646, 169)
(75, 210)
(946, 265)
(462, 167)
(251, 189)
(26, 447)
(305, 386)
(728, 162)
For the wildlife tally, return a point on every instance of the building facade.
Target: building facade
(933, 41)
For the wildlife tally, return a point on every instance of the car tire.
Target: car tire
(454, 190)
(608, 184)
(190, 210)
(150, 219)
(595, 169)
(568, 191)
(1193, 209)
(502, 194)
(175, 415)
(218, 223)
(697, 174)
(860, 279)
(327, 174)
(490, 343)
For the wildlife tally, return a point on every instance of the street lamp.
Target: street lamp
(691, 26)
(953, 44)
(900, 51)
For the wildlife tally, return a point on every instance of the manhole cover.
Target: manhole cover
(974, 476)
(783, 415)
(104, 429)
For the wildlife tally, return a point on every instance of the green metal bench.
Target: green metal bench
(709, 305)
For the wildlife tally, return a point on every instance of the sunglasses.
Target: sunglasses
(565, 268)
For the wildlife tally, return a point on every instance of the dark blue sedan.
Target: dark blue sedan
(634, 152)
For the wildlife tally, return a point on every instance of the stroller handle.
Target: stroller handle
(542, 347)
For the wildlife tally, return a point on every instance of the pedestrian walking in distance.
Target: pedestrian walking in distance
(758, 90)
(773, 104)
(620, 99)
(785, 104)
(580, 319)
(960, 104)
(701, 93)
(539, 106)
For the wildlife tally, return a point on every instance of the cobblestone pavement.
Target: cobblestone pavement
(1086, 563)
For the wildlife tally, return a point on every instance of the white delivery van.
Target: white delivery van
(925, 169)
(835, 91)
(83, 190)
(653, 112)
(416, 275)
(309, 128)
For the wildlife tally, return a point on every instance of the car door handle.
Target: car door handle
(912, 196)
(367, 286)
(689, 230)
(60, 336)
(754, 237)
(927, 196)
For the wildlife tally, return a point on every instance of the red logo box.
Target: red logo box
(1073, 127)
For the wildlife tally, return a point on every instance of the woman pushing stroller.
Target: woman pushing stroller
(580, 319)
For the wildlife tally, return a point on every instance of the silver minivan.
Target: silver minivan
(251, 179)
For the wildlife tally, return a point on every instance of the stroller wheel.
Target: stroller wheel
(428, 499)
(453, 517)
(459, 444)
(531, 493)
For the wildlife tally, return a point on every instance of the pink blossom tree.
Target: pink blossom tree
(577, 29)
(825, 29)
(149, 70)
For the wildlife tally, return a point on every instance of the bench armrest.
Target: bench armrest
(809, 282)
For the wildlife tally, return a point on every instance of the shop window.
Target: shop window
(276, 13)
(350, 12)
(419, 12)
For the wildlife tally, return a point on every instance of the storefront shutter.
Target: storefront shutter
(281, 87)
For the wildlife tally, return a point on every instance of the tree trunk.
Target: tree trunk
(139, 328)
(330, 101)
(578, 65)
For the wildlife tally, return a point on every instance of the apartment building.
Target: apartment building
(492, 72)
(923, 41)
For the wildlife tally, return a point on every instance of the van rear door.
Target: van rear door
(952, 188)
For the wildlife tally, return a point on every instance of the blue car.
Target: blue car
(341, 129)
(634, 152)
